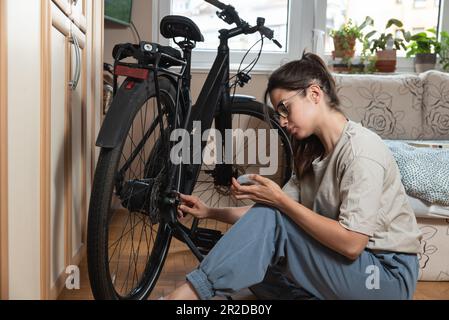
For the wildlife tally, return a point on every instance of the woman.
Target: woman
(348, 233)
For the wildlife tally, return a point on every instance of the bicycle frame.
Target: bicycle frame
(214, 103)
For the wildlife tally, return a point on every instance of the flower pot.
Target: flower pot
(425, 62)
(386, 61)
(345, 68)
(342, 51)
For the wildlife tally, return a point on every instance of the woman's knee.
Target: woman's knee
(261, 212)
(262, 218)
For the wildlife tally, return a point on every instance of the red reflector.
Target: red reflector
(130, 85)
(131, 72)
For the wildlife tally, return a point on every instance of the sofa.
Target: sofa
(415, 109)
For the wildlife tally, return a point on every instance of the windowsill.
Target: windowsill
(404, 65)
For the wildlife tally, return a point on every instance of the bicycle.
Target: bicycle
(135, 192)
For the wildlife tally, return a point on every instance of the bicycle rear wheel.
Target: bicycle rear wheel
(128, 239)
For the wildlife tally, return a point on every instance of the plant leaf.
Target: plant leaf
(395, 22)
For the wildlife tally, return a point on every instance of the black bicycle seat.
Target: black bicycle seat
(179, 26)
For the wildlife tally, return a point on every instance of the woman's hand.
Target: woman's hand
(194, 206)
(267, 192)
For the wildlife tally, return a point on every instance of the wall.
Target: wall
(24, 135)
(3, 155)
(114, 33)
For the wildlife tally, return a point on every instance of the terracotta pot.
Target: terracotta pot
(340, 51)
(425, 62)
(386, 61)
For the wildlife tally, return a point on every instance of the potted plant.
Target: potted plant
(345, 38)
(387, 44)
(424, 46)
(366, 56)
(444, 50)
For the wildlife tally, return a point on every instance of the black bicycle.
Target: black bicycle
(133, 205)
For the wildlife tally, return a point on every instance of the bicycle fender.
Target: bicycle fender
(240, 98)
(131, 95)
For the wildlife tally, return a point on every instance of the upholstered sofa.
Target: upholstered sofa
(414, 108)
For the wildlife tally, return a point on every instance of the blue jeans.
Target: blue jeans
(270, 254)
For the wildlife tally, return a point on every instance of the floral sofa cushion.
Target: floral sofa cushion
(391, 106)
(435, 105)
(433, 258)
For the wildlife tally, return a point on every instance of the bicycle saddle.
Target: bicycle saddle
(179, 26)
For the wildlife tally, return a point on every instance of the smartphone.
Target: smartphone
(245, 180)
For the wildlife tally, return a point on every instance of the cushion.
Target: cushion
(435, 105)
(391, 106)
(424, 171)
(433, 261)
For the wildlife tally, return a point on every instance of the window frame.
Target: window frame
(313, 17)
(202, 60)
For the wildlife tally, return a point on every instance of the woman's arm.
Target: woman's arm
(325, 230)
(194, 206)
(228, 215)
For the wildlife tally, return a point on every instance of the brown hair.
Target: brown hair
(297, 75)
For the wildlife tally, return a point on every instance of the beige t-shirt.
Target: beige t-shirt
(359, 185)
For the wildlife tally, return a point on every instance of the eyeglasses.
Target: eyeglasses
(281, 109)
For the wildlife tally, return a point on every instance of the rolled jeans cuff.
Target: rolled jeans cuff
(201, 283)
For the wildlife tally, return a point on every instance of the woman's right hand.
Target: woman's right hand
(194, 206)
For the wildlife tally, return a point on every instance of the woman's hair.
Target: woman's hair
(297, 75)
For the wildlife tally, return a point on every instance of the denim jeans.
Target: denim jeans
(268, 253)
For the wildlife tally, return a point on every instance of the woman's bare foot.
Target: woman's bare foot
(184, 292)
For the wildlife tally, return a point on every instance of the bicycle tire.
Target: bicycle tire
(100, 217)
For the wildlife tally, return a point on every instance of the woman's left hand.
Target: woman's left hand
(266, 192)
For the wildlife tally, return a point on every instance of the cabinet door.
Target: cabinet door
(78, 139)
(64, 5)
(79, 14)
(68, 145)
(59, 141)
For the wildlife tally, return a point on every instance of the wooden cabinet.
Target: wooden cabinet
(60, 81)
(68, 165)
(79, 13)
(70, 170)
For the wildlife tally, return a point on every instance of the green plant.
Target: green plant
(424, 42)
(444, 50)
(350, 31)
(389, 40)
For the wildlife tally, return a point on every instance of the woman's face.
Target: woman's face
(302, 108)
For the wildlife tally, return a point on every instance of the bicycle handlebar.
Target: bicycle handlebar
(230, 16)
(217, 4)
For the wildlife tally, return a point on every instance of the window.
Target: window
(416, 15)
(278, 16)
(204, 15)
(420, 3)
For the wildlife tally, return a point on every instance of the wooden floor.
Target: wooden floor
(180, 262)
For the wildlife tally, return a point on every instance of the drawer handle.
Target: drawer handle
(73, 84)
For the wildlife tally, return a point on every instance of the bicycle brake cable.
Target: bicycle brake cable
(251, 66)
